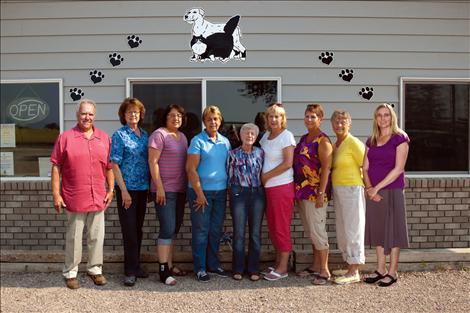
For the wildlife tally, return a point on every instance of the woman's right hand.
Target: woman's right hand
(126, 199)
(160, 197)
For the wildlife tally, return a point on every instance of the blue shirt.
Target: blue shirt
(213, 157)
(129, 151)
(244, 169)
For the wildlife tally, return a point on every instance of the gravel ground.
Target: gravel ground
(440, 291)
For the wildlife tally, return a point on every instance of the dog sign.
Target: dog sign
(211, 41)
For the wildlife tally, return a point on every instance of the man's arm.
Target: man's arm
(55, 182)
(110, 182)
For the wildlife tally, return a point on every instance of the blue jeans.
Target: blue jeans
(207, 227)
(247, 205)
(170, 216)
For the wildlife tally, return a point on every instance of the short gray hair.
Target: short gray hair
(85, 101)
(250, 126)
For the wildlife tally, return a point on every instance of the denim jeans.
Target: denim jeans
(170, 216)
(247, 205)
(207, 225)
(132, 220)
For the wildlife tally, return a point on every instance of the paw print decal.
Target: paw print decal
(133, 41)
(96, 76)
(366, 92)
(115, 59)
(346, 74)
(76, 94)
(326, 57)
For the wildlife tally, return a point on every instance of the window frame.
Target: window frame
(204, 80)
(60, 81)
(427, 80)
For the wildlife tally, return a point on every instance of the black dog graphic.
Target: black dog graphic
(218, 45)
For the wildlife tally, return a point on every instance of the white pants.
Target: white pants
(350, 210)
(73, 242)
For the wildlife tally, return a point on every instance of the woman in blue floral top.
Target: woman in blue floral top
(247, 201)
(129, 157)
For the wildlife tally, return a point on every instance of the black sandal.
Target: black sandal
(386, 284)
(237, 276)
(255, 276)
(374, 279)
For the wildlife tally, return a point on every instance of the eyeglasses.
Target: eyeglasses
(133, 113)
(180, 116)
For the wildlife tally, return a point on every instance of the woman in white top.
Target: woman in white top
(278, 144)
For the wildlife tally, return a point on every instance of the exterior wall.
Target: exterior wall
(380, 41)
(438, 217)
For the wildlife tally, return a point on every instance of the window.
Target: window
(239, 99)
(436, 117)
(31, 115)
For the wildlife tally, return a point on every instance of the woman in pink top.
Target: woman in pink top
(167, 160)
(383, 170)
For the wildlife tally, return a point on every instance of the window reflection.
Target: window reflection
(437, 121)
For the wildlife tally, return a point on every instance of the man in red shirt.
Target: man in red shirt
(81, 158)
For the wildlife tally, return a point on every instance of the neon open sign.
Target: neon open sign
(28, 110)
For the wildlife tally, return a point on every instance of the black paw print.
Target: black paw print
(115, 59)
(366, 92)
(326, 57)
(134, 41)
(346, 74)
(76, 94)
(96, 76)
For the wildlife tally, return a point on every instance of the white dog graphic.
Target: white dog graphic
(204, 28)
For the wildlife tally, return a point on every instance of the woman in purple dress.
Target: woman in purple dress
(383, 170)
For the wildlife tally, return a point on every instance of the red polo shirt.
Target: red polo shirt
(83, 163)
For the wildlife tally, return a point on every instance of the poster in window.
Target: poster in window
(8, 138)
(7, 167)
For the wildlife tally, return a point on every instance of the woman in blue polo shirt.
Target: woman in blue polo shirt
(207, 193)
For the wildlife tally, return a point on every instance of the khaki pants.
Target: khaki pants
(73, 242)
(314, 222)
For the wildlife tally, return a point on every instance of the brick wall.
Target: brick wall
(438, 217)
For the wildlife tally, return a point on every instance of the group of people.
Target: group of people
(365, 183)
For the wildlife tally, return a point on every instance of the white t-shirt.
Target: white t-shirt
(273, 156)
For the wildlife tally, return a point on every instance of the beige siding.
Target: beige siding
(380, 41)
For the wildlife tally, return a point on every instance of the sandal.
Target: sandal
(373, 279)
(307, 272)
(237, 276)
(255, 276)
(178, 272)
(320, 280)
(389, 283)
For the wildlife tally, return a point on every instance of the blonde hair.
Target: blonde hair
(212, 109)
(341, 114)
(393, 123)
(276, 108)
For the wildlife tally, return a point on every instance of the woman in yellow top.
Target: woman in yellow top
(348, 196)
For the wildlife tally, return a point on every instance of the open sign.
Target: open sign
(28, 110)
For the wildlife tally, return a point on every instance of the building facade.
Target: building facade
(349, 55)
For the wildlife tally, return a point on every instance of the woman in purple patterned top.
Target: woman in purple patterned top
(383, 170)
(312, 163)
(247, 201)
